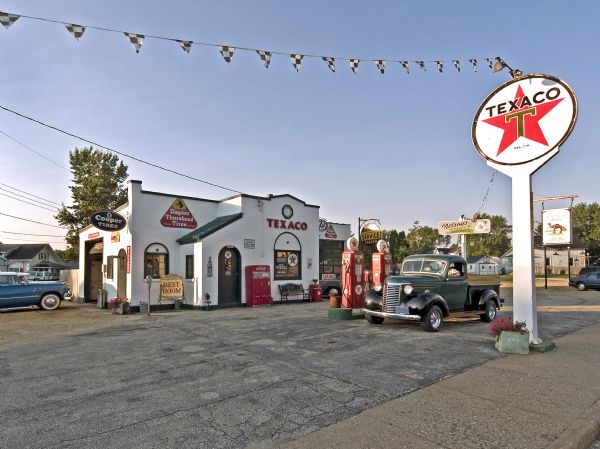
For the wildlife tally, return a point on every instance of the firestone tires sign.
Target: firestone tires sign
(524, 119)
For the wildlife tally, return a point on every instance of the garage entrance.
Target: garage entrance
(94, 250)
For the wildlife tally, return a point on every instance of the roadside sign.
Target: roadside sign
(453, 227)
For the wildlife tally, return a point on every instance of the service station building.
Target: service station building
(209, 243)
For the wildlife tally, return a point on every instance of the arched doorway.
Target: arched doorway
(122, 274)
(230, 276)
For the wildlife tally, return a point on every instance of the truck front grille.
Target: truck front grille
(391, 298)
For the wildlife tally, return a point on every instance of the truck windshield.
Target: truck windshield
(424, 266)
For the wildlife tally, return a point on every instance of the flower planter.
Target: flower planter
(512, 342)
(121, 309)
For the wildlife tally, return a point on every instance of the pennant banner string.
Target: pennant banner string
(7, 19)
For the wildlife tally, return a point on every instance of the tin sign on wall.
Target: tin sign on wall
(524, 119)
(106, 220)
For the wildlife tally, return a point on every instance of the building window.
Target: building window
(43, 256)
(156, 260)
(287, 256)
(330, 259)
(109, 267)
(189, 267)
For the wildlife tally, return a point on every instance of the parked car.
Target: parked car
(429, 288)
(590, 269)
(17, 291)
(589, 279)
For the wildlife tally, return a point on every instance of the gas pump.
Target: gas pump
(382, 263)
(353, 294)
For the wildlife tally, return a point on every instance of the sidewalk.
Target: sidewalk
(530, 401)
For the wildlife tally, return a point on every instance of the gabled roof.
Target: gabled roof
(21, 252)
(209, 228)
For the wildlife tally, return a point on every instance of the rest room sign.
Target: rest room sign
(178, 216)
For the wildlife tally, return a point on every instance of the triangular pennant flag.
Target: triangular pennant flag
(76, 30)
(136, 40)
(330, 62)
(354, 64)
(422, 65)
(474, 64)
(265, 57)
(380, 63)
(185, 45)
(440, 66)
(490, 63)
(404, 65)
(297, 61)
(227, 52)
(8, 19)
(456, 64)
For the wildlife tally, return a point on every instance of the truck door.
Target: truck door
(456, 286)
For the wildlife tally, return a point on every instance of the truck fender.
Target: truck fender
(486, 295)
(424, 300)
(373, 300)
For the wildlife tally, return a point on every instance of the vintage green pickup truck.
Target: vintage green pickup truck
(429, 288)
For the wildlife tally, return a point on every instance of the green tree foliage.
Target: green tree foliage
(496, 243)
(424, 239)
(586, 226)
(98, 184)
(397, 245)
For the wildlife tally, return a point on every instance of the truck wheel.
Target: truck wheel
(490, 311)
(433, 320)
(50, 301)
(374, 319)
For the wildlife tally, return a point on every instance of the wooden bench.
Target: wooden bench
(290, 289)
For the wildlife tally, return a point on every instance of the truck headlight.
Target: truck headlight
(378, 287)
(408, 289)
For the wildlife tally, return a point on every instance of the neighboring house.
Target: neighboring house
(484, 265)
(4, 264)
(559, 259)
(39, 260)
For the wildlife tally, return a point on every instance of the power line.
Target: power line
(487, 191)
(37, 235)
(34, 241)
(32, 221)
(29, 194)
(118, 152)
(34, 151)
(27, 202)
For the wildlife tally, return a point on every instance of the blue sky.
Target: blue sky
(397, 147)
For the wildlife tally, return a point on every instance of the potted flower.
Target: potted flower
(512, 338)
(119, 305)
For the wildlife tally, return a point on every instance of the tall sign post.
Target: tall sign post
(517, 129)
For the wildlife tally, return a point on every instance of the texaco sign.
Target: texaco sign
(524, 119)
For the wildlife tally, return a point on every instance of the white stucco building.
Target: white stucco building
(209, 243)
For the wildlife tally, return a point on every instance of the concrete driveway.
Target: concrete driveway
(231, 378)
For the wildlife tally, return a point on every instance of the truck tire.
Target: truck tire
(433, 320)
(490, 311)
(374, 319)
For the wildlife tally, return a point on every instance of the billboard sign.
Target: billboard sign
(482, 226)
(556, 227)
(524, 119)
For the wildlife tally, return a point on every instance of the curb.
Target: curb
(582, 433)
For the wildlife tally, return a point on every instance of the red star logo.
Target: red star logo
(522, 122)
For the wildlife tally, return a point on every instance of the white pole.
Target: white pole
(524, 295)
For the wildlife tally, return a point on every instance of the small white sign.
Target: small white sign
(556, 226)
(524, 119)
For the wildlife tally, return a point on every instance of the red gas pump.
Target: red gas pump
(353, 293)
(258, 285)
(382, 263)
(315, 291)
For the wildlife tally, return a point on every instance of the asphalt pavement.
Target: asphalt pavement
(273, 376)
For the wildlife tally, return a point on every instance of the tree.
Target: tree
(586, 226)
(98, 184)
(424, 239)
(496, 243)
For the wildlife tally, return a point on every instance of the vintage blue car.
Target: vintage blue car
(17, 291)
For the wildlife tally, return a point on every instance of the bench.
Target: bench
(289, 289)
